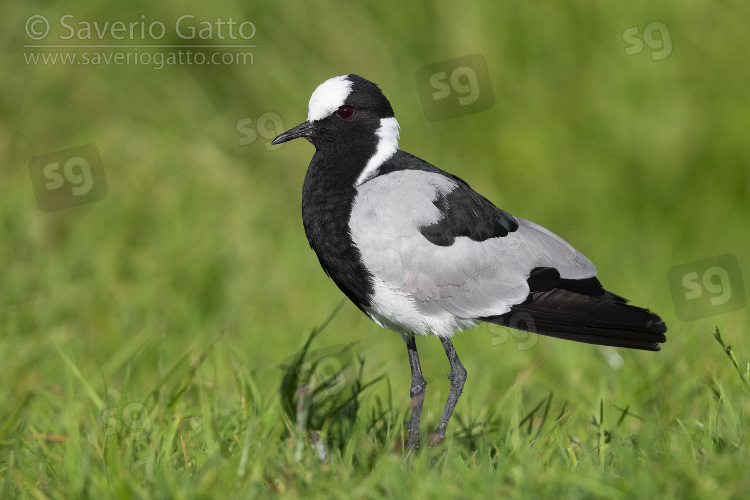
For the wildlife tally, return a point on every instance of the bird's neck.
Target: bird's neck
(333, 173)
(327, 198)
(327, 194)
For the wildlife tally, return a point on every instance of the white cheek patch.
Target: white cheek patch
(387, 146)
(328, 97)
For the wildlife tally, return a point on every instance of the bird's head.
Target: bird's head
(347, 110)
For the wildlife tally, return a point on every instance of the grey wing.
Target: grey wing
(468, 279)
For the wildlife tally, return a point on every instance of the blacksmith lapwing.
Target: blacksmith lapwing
(420, 252)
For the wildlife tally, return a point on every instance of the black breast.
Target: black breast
(327, 200)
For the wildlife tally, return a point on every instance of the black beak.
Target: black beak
(302, 130)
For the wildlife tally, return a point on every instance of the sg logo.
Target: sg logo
(524, 340)
(268, 126)
(133, 417)
(455, 87)
(68, 178)
(328, 368)
(661, 45)
(76, 171)
(707, 287)
(463, 81)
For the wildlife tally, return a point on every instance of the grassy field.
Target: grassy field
(157, 340)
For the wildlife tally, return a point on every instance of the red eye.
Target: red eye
(345, 112)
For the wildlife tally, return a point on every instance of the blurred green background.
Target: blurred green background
(641, 162)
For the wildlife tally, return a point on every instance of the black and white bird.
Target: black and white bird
(420, 252)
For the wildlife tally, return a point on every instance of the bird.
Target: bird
(420, 252)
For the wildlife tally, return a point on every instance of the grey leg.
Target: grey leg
(457, 377)
(418, 386)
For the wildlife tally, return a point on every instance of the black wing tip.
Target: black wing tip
(613, 337)
(582, 311)
(654, 324)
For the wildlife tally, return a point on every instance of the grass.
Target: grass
(188, 437)
(157, 343)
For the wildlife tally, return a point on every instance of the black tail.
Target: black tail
(581, 310)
